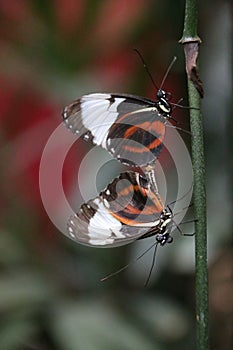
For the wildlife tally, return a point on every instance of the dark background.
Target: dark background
(50, 294)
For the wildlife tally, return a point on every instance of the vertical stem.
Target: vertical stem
(200, 225)
(191, 46)
(190, 21)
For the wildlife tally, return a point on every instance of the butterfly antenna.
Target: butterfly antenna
(146, 68)
(129, 264)
(168, 70)
(152, 265)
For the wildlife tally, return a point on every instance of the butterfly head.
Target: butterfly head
(164, 107)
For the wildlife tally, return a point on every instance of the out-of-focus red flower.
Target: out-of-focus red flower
(6, 98)
(28, 119)
(116, 68)
(13, 10)
(69, 13)
(116, 18)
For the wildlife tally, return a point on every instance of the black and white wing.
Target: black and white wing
(127, 126)
(123, 213)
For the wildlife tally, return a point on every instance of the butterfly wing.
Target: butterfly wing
(127, 126)
(121, 214)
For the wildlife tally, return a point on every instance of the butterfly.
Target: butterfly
(129, 127)
(127, 210)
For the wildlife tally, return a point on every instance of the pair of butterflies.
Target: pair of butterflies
(132, 130)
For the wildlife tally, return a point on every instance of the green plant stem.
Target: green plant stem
(200, 215)
(189, 38)
(190, 21)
